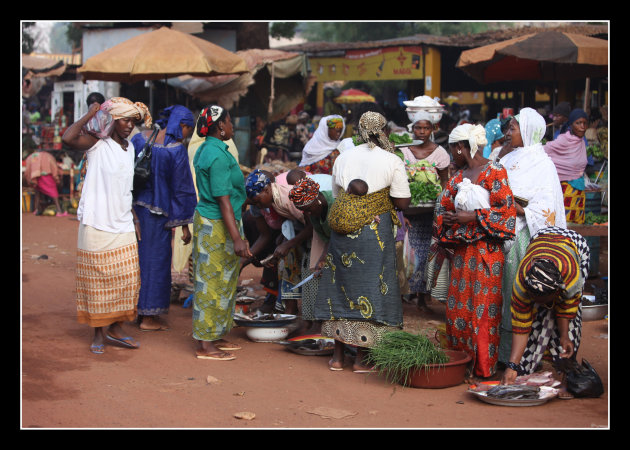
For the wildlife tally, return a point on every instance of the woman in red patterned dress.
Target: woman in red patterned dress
(475, 216)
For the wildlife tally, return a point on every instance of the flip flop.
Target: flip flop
(228, 346)
(98, 349)
(127, 341)
(225, 357)
(160, 328)
(334, 369)
(370, 370)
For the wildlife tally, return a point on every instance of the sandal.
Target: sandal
(127, 341)
(98, 349)
(219, 356)
(227, 346)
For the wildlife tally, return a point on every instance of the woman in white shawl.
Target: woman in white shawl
(537, 191)
(320, 152)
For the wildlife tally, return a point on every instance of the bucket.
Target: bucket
(27, 201)
(593, 204)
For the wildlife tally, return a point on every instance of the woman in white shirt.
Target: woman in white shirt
(108, 273)
(358, 297)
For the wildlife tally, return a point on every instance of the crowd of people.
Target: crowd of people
(495, 248)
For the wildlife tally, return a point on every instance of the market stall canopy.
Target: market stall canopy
(354, 96)
(545, 56)
(276, 78)
(161, 54)
(38, 67)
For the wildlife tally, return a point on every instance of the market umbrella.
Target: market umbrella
(161, 54)
(354, 96)
(543, 56)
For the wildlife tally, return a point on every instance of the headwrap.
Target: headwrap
(335, 122)
(532, 126)
(474, 134)
(120, 107)
(304, 192)
(372, 124)
(171, 118)
(493, 133)
(543, 277)
(320, 145)
(256, 182)
(208, 117)
(576, 114)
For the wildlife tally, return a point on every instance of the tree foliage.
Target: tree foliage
(28, 40)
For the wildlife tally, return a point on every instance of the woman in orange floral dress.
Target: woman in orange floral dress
(476, 214)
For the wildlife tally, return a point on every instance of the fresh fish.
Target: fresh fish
(513, 392)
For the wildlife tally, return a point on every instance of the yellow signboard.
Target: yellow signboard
(391, 63)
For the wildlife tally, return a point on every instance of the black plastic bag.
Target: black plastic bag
(142, 168)
(582, 380)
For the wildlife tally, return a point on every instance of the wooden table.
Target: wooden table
(589, 230)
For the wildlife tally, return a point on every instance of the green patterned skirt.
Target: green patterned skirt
(216, 271)
(358, 297)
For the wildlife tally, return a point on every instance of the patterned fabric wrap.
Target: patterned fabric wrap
(350, 212)
(420, 233)
(545, 336)
(216, 269)
(120, 107)
(473, 305)
(563, 252)
(574, 203)
(208, 117)
(359, 285)
(543, 277)
(304, 192)
(256, 182)
(107, 280)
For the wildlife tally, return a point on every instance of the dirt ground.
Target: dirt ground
(162, 385)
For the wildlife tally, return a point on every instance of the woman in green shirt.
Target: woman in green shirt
(218, 242)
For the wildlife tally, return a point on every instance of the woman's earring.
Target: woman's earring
(222, 132)
(459, 151)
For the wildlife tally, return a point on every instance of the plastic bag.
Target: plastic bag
(582, 380)
(409, 256)
(100, 125)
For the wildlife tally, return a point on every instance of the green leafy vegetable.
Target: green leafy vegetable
(423, 192)
(400, 138)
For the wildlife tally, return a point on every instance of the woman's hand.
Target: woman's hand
(509, 375)
(567, 346)
(282, 250)
(186, 237)
(520, 211)
(136, 224)
(241, 248)
(450, 218)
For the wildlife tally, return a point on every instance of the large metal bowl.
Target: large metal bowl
(594, 312)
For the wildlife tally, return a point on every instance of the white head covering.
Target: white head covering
(532, 126)
(320, 145)
(474, 134)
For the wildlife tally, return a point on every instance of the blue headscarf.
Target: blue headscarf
(576, 114)
(171, 118)
(493, 133)
(256, 182)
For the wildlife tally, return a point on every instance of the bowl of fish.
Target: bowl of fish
(591, 310)
(527, 390)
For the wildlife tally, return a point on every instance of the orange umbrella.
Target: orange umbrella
(161, 54)
(354, 96)
(545, 56)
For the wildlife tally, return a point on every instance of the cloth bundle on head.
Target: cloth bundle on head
(474, 134)
(121, 107)
(170, 120)
(532, 126)
(320, 145)
(256, 182)
(543, 277)
(372, 125)
(304, 192)
(208, 117)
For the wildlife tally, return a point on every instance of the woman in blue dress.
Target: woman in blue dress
(167, 201)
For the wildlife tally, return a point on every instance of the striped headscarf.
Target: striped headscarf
(256, 182)
(121, 107)
(304, 192)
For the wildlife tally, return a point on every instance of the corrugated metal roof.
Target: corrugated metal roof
(463, 41)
